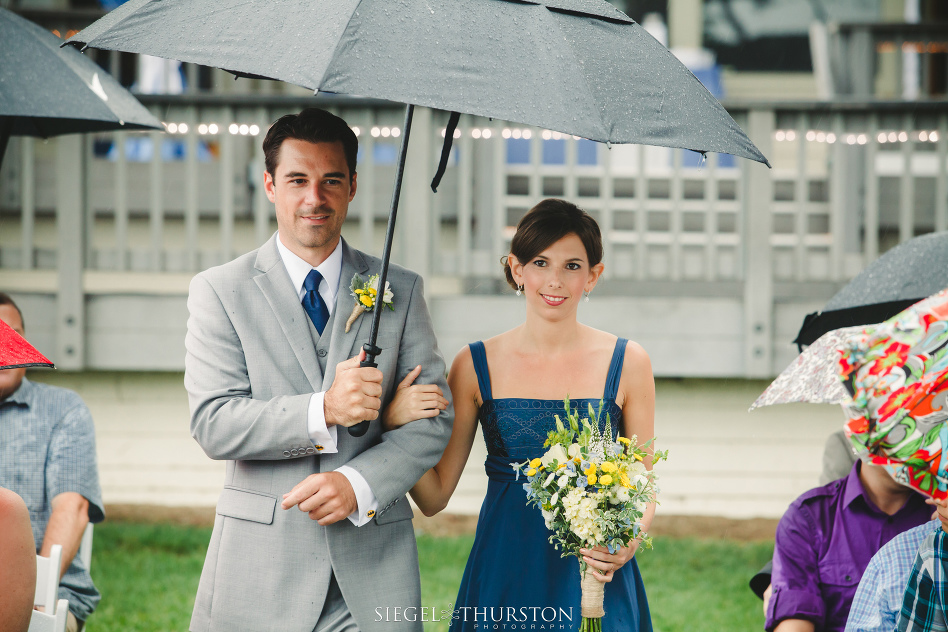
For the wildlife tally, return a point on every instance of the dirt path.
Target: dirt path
(709, 527)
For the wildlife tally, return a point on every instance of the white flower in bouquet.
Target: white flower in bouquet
(619, 496)
(555, 453)
(547, 518)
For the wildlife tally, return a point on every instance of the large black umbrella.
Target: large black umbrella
(575, 66)
(46, 90)
(901, 277)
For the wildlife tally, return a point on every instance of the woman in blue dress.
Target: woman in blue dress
(513, 384)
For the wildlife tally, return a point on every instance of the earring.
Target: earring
(586, 295)
(519, 290)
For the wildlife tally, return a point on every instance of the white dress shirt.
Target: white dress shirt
(323, 437)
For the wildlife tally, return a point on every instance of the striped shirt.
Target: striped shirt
(47, 447)
(923, 606)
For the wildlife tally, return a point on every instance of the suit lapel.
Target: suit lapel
(339, 344)
(277, 288)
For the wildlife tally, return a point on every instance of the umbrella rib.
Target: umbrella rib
(577, 63)
(335, 50)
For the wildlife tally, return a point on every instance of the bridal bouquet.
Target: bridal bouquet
(592, 491)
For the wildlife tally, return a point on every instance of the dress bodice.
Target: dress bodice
(515, 428)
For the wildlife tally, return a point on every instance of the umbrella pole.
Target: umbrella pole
(371, 350)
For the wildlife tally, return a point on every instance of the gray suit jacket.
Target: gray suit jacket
(250, 370)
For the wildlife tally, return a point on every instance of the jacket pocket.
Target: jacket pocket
(244, 504)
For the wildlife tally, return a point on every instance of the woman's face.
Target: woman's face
(555, 280)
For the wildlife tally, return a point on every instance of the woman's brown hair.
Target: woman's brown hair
(547, 223)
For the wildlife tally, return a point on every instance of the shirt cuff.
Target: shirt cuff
(365, 497)
(323, 438)
(794, 603)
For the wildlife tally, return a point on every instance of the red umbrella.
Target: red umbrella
(15, 352)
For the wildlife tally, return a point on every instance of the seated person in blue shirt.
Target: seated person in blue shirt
(825, 541)
(47, 456)
(879, 596)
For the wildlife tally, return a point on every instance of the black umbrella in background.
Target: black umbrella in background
(901, 277)
(580, 67)
(46, 90)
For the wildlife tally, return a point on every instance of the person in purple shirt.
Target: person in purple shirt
(825, 541)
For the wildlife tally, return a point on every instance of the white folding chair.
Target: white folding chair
(85, 547)
(42, 622)
(47, 588)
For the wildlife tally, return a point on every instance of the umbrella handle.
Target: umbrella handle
(371, 350)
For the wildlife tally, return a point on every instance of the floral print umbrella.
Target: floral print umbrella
(814, 375)
(897, 375)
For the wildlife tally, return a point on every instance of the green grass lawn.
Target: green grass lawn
(148, 575)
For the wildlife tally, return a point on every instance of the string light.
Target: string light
(855, 138)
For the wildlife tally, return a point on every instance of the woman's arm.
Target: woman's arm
(413, 401)
(638, 407)
(637, 388)
(432, 492)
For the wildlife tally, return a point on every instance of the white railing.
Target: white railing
(847, 183)
(141, 212)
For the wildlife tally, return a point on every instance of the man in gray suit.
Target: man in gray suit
(274, 380)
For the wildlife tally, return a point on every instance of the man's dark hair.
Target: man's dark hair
(313, 126)
(6, 300)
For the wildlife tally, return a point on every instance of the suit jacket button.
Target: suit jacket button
(321, 353)
(294, 452)
(286, 453)
(310, 450)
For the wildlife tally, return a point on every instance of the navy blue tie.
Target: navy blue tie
(313, 303)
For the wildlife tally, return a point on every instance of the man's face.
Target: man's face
(10, 379)
(311, 189)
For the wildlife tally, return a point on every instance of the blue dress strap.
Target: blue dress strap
(615, 370)
(479, 356)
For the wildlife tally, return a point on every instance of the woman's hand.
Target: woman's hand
(413, 401)
(604, 563)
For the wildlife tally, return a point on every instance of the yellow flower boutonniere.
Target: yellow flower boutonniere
(365, 293)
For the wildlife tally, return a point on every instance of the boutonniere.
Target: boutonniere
(365, 293)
